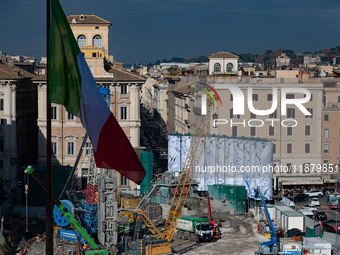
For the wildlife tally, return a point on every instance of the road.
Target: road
(331, 213)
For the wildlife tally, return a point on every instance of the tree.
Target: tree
(268, 52)
(262, 58)
(297, 61)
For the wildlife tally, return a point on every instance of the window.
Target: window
(255, 97)
(1, 145)
(326, 133)
(324, 101)
(307, 147)
(123, 90)
(229, 67)
(94, 55)
(289, 148)
(311, 97)
(311, 113)
(290, 96)
(231, 97)
(325, 148)
(234, 131)
(54, 148)
(88, 148)
(271, 130)
(274, 148)
(289, 168)
(97, 41)
(1, 104)
(70, 148)
(123, 180)
(123, 113)
(270, 97)
(289, 130)
(338, 99)
(273, 115)
(252, 115)
(53, 113)
(290, 113)
(307, 130)
(81, 41)
(232, 115)
(326, 117)
(252, 131)
(217, 68)
(70, 116)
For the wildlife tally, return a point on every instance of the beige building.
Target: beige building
(330, 124)
(223, 63)
(282, 60)
(18, 128)
(124, 101)
(296, 148)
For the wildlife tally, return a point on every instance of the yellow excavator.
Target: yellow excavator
(160, 244)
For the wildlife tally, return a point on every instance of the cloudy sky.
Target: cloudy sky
(146, 30)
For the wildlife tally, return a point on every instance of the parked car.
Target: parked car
(315, 201)
(310, 207)
(314, 193)
(300, 197)
(295, 232)
(321, 216)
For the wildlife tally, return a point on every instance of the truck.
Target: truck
(195, 229)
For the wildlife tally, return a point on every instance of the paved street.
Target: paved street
(331, 213)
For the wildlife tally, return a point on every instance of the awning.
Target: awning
(329, 179)
(301, 180)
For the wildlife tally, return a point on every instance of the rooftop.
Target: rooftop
(223, 55)
(86, 19)
(13, 72)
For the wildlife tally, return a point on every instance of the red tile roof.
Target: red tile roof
(223, 55)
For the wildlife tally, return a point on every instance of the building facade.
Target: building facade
(18, 129)
(123, 99)
(223, 63)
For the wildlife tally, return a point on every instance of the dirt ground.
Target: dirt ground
(240, 237)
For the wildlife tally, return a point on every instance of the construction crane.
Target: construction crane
(270, 247)
(183, 186)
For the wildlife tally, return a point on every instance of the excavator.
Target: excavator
(160, 244)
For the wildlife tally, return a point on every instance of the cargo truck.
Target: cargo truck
(195, 229)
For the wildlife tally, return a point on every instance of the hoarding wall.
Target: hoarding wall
(225, 160)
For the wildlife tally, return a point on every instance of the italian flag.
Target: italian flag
(71, 84)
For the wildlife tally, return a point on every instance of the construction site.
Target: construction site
(175, 212)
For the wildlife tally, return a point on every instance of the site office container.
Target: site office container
(317, 242)
(292, 220)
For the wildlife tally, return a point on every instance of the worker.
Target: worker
(85, 246)
(216, 233)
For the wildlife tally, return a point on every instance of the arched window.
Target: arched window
(217, 68)
(81, 41)
(97, 41)
(229, 67)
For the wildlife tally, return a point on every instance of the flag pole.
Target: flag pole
(49, 223)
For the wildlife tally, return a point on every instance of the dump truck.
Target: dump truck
(195, 229)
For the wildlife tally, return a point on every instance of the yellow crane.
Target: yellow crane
(182, 190)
